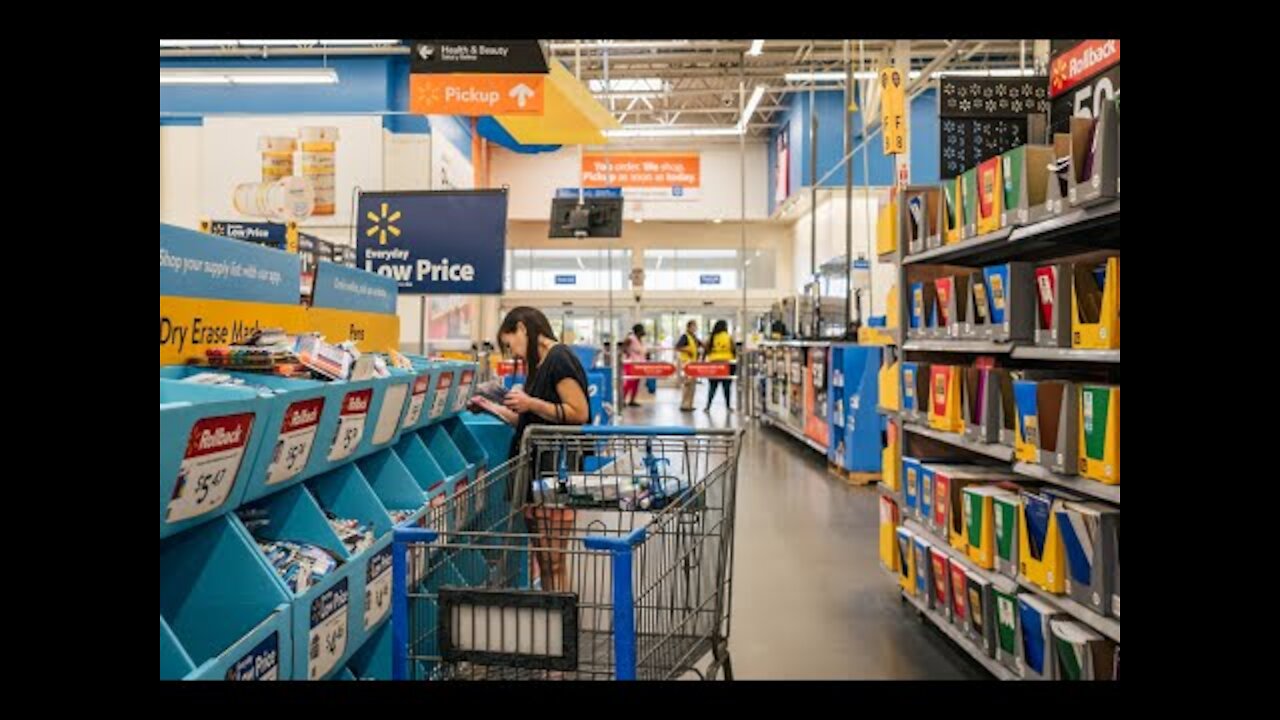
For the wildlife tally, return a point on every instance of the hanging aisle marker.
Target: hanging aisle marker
(893, 111)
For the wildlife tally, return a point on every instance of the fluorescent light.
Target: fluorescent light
(275, 43)
(359, 42)
(196, 43)
(868, 75)
(248, 76)
(757, 47)
(750, 109)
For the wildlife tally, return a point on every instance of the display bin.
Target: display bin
(347, 432)
(493, 434)
(373, 660)
(322, 616)
(209, 437)
(297, 412)
(347, 494)
(459, 472)
(399, 490)
(474, 454)
(856, 441)
(391, 409)
(222, 612)
(465, 382)
(444, 384)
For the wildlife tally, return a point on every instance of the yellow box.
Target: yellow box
(990, 195)
(979, 523)
(891, 457)
(906, 562)
(888, 533)
(1048, 569)
(952, 210)
(887, 229)
(892, 320)
(889, 384)
(944, 399)
(1099, 424)
(1095, 312)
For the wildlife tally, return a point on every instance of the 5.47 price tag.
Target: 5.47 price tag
(215, 449)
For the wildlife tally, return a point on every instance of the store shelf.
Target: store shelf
(1105, 625)
(1001, 672)
(1026, 352)
(959, 346)
(963, 248)
(774, 422)
(999, 452)
(1085, 486)
(1096, 226)
(1003, 583)
(886, 411)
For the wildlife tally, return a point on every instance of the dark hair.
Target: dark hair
(638, 329)
(721, 326)
(537, 326)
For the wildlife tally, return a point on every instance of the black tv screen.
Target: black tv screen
(603, 218)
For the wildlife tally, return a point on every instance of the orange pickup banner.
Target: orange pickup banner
(648, 369)
(471, 94)
(706, 370)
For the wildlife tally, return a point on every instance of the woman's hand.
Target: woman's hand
(518, 401)
(485, 404)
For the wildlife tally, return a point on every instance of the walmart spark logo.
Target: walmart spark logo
(382, 225)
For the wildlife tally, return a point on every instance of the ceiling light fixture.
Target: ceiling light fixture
(668, 131)
(757, 47)
(248, 76)
(750, 109)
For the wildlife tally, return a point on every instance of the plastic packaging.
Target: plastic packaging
(318, 155)
(277, 157)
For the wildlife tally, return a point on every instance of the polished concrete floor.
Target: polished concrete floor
(810, 600)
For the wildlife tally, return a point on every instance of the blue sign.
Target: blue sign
(263, 233)
(709, 279)
(448, 242)
(196, 264)
(566, 279)
(572, 193)
(346, 288)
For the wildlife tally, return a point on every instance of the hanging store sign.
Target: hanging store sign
(477, 56)
(645, 175)
(893, 116)
(1081, 62)
(476, 95)
(282, 236)
(1082, 77)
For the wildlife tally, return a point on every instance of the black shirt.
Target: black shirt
(559, 363)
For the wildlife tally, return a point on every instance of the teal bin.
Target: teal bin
(346, 494)
(493, 434)
(417, 413)
(209, 438)
(465, 385)
(322, 616)
(472, 452)
(390, 412)
(458, 472)
(440, 393)
(223, 615)
(397, 488)
(373, 660)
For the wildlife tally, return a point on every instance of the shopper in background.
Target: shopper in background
(687, 350)
(554, 393)
(720, 349)
(633, 350)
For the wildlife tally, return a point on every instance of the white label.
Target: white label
(464, 390)
(347, 439)
(1097, 182)
(1004, 218)
(416, 401)
(215, 448)
(377, 589)
(1097, 599)
(1102, 333)
(1071, 195)
(297, 436)
(389, 413)
(442, 395)
(1061, 461)
(328, 640)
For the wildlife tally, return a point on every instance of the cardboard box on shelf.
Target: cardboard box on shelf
(1059, 174)
(959, 587)
(982, 623)
(1058, 415)
(1053, 305)
(950, 483)
(1089, 530)
(911, 486)
(1003, 380)
(952, 295)
(1011, 289)
(920, 550)
(1008, 630)
(1095, 305)
(1095, 156)
(1079, 653)
(924, 312)
(1099, 439)
(1034, 616)
(1026, 438)
(922, 219)
(941, 576)
(1025, 172)
(906, 564)
(891, 456)
(969, 203)
(990, 195)
(888, 533)
(952, 211)
(887, 229)
(888, 380)
(979, 522)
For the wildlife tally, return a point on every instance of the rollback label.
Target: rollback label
(464, 390)
(416, 401)
(355, 414)
(208, 471)
(328, 639)
(260, 663)
(377, 588)
(442, 395)
(297, 437)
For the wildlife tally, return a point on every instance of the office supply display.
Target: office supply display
(1079, 653)
(1034, 616)
(924, 310)
(888, 533)
(1026, 439)
(923, 214)
(1053, 304)
(978, 517)
(1095, 156)
(1003, 380)
(1025, 175)
(952, 295)
(1058, 415)
(944, 398)
(906, 562)
(982, 613)
(969, 203)
(1089, 533)
(1006, 508)
(990, 195)
(950, 483)
(1099, 439)
(1095, 305)
(1010, 289)
(952, 211)
(940, 574)
(980, 405)
(1008, 630)
(1041, 555)
(959, 588)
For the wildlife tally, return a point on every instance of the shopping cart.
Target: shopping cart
(598, 553)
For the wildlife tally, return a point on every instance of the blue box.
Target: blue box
(223, 614)
(911, 485)
(858, 430)
(209, 438)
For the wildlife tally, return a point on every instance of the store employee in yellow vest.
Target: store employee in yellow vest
(720, 349)
(688, 347)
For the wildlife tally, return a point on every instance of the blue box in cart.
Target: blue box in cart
(209, 438)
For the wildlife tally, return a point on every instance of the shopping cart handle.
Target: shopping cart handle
(630, 540)
(413, 534)
(636, 430)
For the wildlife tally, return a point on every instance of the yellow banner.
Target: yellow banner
(893, 87)
(189, 326)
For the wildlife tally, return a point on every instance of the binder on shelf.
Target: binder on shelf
(209, 439)
(1026, 439)
(1099, 440)
(990, 195)
(911, 486)
(1041, 555)
(923, 563)
(982, 613)
(980, 405)
(959, 589)
(940, 572)
(1010, 289)
(979, 522)
(952, 211)
(969, 203)
(1025, 172)
(914, 409)
(1079, 653)
(1095, 305)
(1053, 305)
(952, 295)
(926, 496)
(977, 307)
(1003, 380)
(950, 483)
(1007, 518)
(906, 562)
(1089, 532)
(1058, 415)
(223, 615)
(944, 398)
(922, 219)
(1095, 156)
(1034, 616)
(888, 533)
(1008, 630)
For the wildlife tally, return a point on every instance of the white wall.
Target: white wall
(831, 240)
(180, 153)
(534, 178)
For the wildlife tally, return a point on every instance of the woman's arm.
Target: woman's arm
(576, 410)
(501, 412)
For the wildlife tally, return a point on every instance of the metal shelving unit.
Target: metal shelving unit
(793, 433)
(1081, 228)
(1027, 352)
(999, 452)
(1003, 583)
(1084, 486)
(963, 248)
(1001, 672)
(1109, 627)
(959, 346)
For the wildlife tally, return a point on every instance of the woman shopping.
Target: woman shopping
(633, 350)
(688, 347)
(720, 349)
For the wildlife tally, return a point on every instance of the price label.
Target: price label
(377, 588)
(389, 413)
(464, 390)
(328, 639)
(355, 412)
(209, 467)
(260, 663)
(297, 436)
(442, 395)
(416, 401)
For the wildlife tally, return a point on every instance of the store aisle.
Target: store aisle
(810, 600)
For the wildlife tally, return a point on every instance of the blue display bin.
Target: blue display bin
(391, 481)
(586, 354)
(852, 416)
(446, 383)
(597, 382)
(426, 472)
(465, 386)
(472, 452)
(348, 434)
(493, 434)
(323, 616)
(418, 411)
(373, 660)
(223, 614)
(391, 409)
(220, 429)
